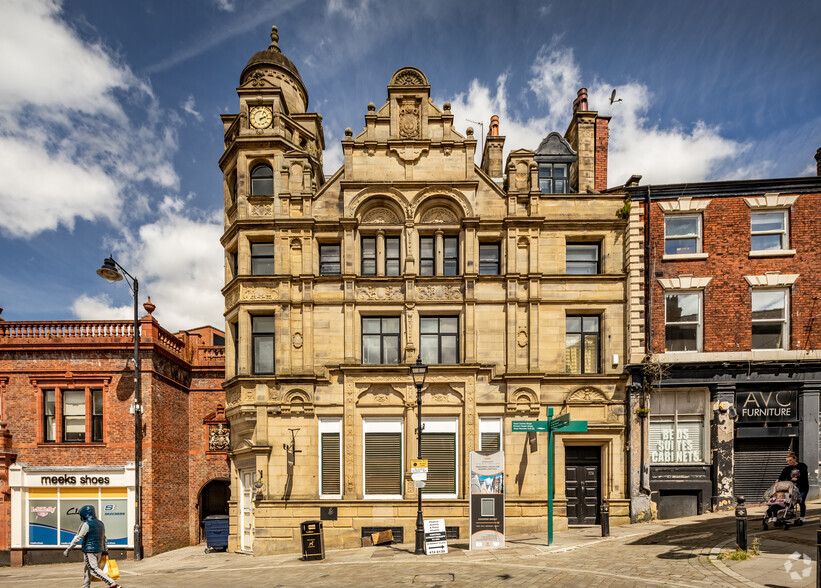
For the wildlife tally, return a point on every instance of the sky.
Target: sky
(110, 131)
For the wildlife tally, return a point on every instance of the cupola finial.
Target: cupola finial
(274, 39)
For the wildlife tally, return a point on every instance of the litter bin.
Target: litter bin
(313, 542)
(216, 532)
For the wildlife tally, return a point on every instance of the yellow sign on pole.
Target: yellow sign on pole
(419, 463)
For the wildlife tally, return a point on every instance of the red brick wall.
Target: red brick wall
(727, 298)
(602, 140)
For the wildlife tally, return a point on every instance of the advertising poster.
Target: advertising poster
(487, 499)
(436, 537)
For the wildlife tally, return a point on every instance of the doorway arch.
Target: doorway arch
(213, 500)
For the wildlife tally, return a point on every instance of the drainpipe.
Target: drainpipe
(648, 327)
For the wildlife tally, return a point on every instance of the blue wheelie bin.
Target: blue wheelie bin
(216, 532)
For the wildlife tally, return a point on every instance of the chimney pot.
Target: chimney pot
(494, 126)
(580, 103)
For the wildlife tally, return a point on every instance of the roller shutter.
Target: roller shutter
(331, 482)
(758, 463)
(490, 442)
(383, 463)
(440, 451)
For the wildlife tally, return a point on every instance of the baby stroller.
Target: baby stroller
(782, 501)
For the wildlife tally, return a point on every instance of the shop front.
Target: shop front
(766, 429)
(45, 504)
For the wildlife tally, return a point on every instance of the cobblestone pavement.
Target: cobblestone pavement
(671, 553)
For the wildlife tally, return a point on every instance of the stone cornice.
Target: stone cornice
(771, 200)
(684, 282)
(683, 205)
(771, 279)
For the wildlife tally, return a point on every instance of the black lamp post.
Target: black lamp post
(419, 370)
(110, 273)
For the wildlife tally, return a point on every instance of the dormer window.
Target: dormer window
(553, 178)
(554, 158)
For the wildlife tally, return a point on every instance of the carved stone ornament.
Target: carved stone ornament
(408, 119)
(258, 293)
(297, 340)
(219, 438)
(522, 176)
(439, 215)
(380, 216)
(409, 78)
(587, 394)
(379, 293)
(261, 210)
(439, 292)
(521, 338)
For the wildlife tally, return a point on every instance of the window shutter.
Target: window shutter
(490, 442)
(331, 481)
(440, 451)
(383, 463)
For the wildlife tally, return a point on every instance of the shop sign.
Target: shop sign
(73, 480)
(772, 406)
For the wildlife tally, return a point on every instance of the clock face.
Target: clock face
(261, 117)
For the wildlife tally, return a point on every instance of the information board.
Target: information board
(436, 537)
(487, 499)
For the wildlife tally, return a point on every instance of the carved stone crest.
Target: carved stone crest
(408, 119)
(219, 438)
(439, 292)
(379, 293)
(261, 210)
(297, 340)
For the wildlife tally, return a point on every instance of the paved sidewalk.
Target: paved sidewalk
(681, 553)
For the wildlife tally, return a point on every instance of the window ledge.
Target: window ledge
(64, 444)
(684, 256)
(773, 253)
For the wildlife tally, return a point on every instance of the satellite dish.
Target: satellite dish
(613, 97)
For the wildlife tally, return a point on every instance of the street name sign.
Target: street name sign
(529, 426)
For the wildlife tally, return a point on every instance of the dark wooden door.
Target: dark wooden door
(581, 474)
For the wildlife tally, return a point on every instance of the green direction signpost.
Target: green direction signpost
(561, 424)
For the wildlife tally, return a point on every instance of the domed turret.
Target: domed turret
(276, 69)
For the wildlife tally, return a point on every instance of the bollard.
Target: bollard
(604, 510)
(741, 524)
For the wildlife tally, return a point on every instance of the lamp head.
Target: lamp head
(109, 271)
(419, 370)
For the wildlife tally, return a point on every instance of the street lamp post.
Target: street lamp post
(110, 273)
(419, 370)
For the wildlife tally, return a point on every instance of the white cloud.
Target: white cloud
(100, 307)
(190, 106)
(68, 147)
(179, 262)
(357, 11)
(660, 154)
(226, 5)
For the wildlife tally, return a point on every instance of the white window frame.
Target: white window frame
(785, 322)
(700, 325)
(705, 433)
(784, 232)
(699, 235)
(491, 425)
(381, 425)
(332, 425)
(444, 425)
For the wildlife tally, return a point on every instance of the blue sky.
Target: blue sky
(110, 130)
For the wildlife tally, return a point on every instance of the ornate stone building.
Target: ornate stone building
(508, 279)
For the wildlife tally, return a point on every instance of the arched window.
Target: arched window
(262, 181)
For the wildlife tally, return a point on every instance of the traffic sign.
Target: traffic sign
(419, 463)
(419, 475)
(528, 426)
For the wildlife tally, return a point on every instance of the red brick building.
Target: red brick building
(67, 434)
(724, 321)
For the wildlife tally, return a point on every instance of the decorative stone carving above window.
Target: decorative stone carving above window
(771, 200)
(380, 216)
(587, 394)
(684, 282)
(439, 215)
(683, 205)
(771, 279)
(408, 77)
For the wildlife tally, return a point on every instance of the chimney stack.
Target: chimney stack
(580, 103)
(818, 162)
(494, 147)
